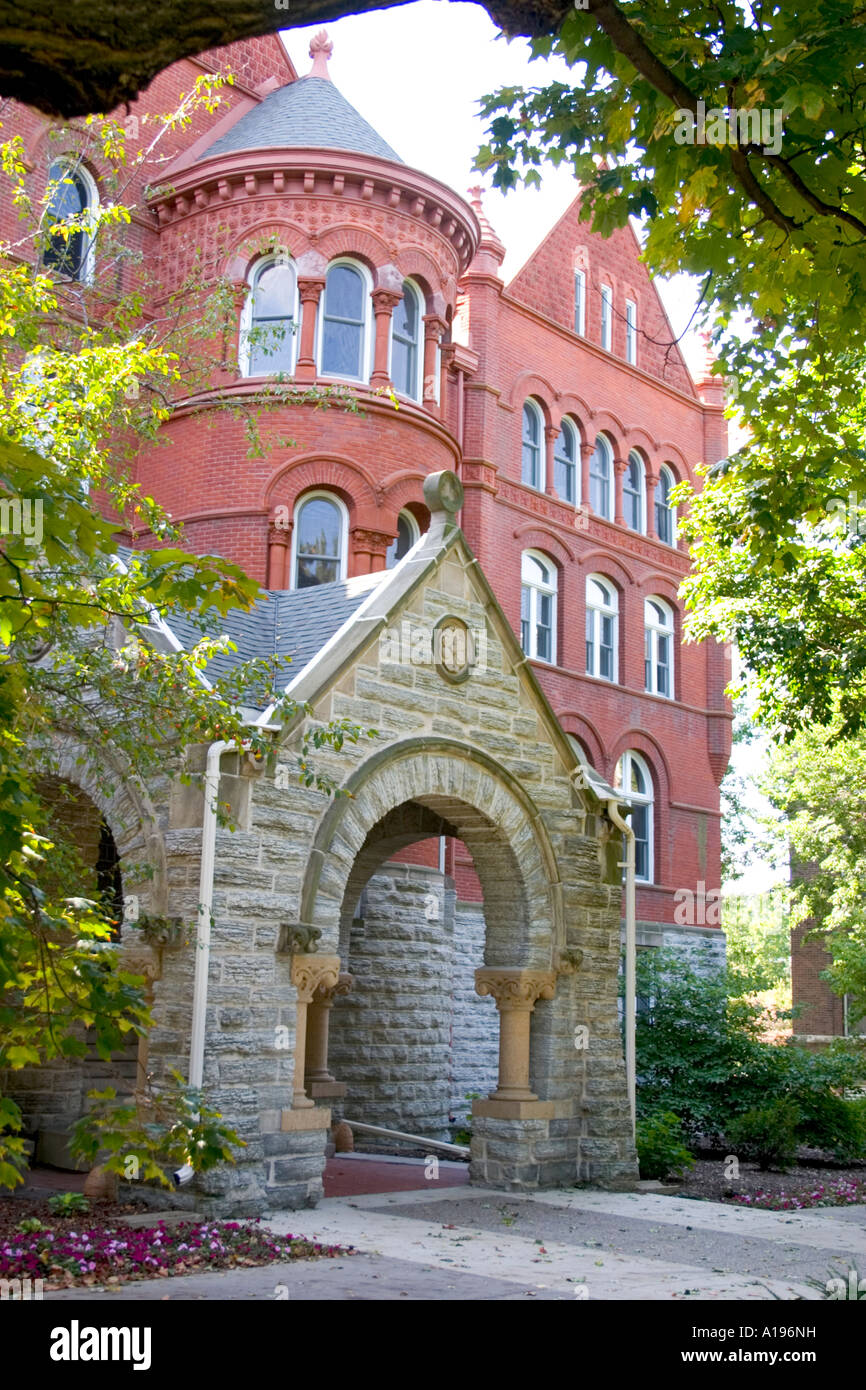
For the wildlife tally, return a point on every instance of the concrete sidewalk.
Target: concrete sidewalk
(475, 1244)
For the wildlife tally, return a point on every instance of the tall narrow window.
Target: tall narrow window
(580, 302)
(630, 331)
(72, 200)
(531, 469)
(601, 635)
(406, 350)
(345, 323)
(408, 532)
(606, 316)
(665, 514)
(601, 478)
(658, 647)
(538, 606)
(320, 541)
(565, 463)
(268, 330)
(633, 493)
(633, 777)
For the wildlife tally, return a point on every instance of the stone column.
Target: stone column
(318, 1079)
(516, 992)
(279, 554)
(434, 327)
(619, 471)
(309, 973)
(651, 483)
(310, 292)
(550, 437)
(586, 453)
(369, 550)
(384, 302)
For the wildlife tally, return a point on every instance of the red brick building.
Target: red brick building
(559, 399)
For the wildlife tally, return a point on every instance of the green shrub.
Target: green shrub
(767, 1134)
(702, 1056)
(828, 1122)
(68, 1203)
(660, 1148)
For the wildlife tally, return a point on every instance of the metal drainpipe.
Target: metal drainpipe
(630, 957)
(205, 900)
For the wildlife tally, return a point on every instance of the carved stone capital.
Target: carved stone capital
(514, 988)
(311, 973)
(310, 289)
(325, 993)
(385, 301)
(295, 939)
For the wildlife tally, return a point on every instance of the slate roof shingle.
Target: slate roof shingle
(309, 113)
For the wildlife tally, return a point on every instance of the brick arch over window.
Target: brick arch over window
(576, 723)
(403, 488)
(606, 423)
(262, 240)
(639, 741)
(642, 442)
(538, 387)
(489, 811)
(602, 562)
(668, 453)
(354, 483)
(439, 287)
(539, 538)
(354, 242)
(664, 586)
(578, 412)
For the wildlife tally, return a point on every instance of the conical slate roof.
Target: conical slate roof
(308, 114)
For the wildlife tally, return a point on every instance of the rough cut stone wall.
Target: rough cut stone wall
(475, 1051)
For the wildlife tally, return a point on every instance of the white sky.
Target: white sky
(416, 73)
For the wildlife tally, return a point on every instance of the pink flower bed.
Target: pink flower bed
(91, 1256)
(843, 1193)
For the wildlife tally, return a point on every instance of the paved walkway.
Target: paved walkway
(471, 1243)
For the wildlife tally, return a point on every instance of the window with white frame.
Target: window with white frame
(565, 463)
(319, 540)
(633, 489)
(606, 317)
(630, 331)
(665, 514)
(658, 647)
(602, 607)
(580, 302)
(532, 455)
(601, 478)
(408, 532)
(269, 319)
(345, 328)
(633, 777)
(538, 584)
(407, 348)
(72, 199)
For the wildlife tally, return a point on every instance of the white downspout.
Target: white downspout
(630, 957)
(205, 908)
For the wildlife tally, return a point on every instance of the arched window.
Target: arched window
(319, 540)
(601, 478)
(408, 532)
(633, 493)
(658, 647)
(345, 322)
(601, 636)
(538, 606)
(406, 343)
(565, 463)
(72, 198)
(633, 776)
(268, 326)
(532, 465)
(666, 515)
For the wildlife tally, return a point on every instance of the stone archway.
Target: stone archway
(407, 794)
